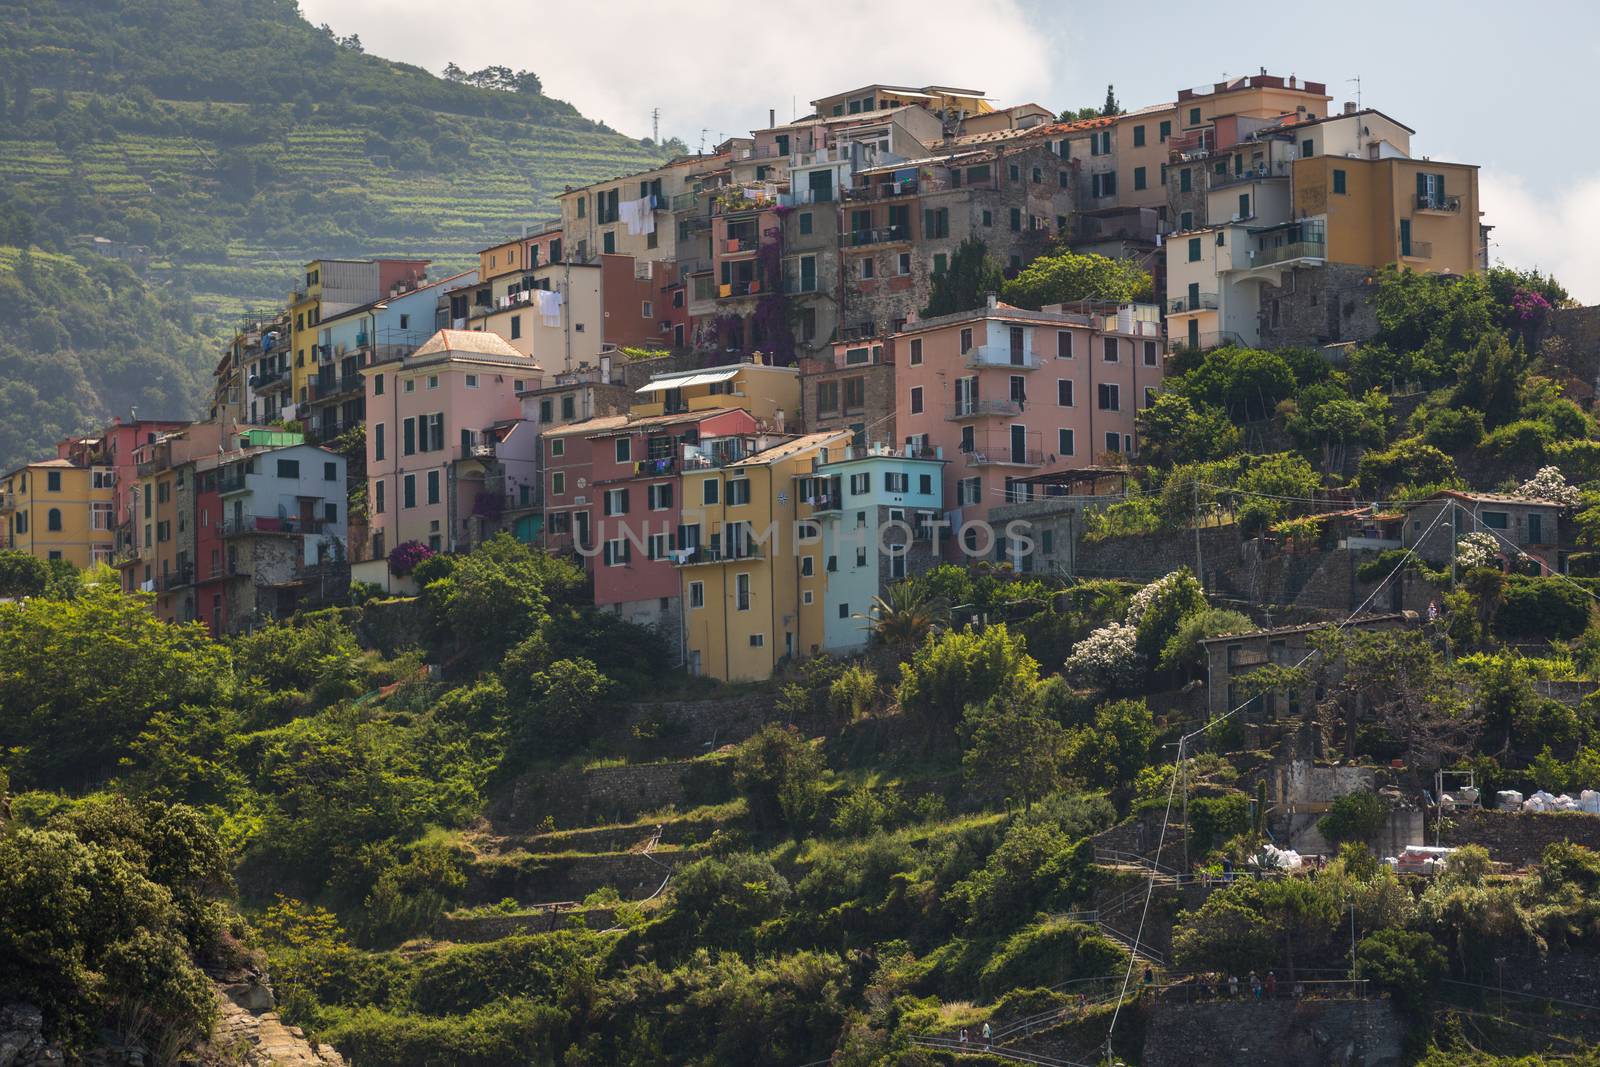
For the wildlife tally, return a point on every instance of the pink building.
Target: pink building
(612, 493)
(1003, 393)
(434, 420)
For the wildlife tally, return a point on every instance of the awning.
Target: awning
(661, 385)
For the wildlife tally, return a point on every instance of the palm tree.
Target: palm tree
(904, 615)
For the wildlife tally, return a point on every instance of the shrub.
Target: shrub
(854, 692)
(1213, 820)
(1523, 441)
(1048, 954)
(962, 667)
(405, 556)
(1403, 962)
(1542, 609)
(1453, 429)
(1358, 816)
(780, 774)
(432, 568)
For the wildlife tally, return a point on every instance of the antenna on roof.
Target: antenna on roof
(1357, 81)
(703, 132)
(655, 124)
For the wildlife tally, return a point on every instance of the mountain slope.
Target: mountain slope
(236, 141)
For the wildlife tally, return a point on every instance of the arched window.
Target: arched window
(53, 520)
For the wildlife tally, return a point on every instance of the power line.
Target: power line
(1183, 740)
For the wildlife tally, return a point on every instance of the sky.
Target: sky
(1501, 85)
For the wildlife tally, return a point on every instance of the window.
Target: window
(1110, 397)
(410, 385)
(516, 327)
(558, 483)
(408, 494)
(330, 472)
(855, 394)
(1338, 181)
(624, 449)
(1111, 350)
(1185, 180)
(433, 487)
(1308, 148)
(617, 552)
(52, 481)
(916, 352)
(738, 492)
(1149, 353)
(916, 400)
(708, 494)
(808, 566)
(896, 482)
(925, 484)
(758, 640)
(377, 500)
(377, 440)
(1064, 442)
(1166, 129)
(1186, 221)
(656, 547)
(741, 592)
(1496, 520)
(558, 448)
(288, 468)
(1244, 205)
(1113, 442)
(1139, 176)
(697, 594)
(569, 407)
(968, 491)
(582, 206)
(1138, 137)
(1194, 116)
(941, 263)
(616, 502)
(805, 222)
(860, 483)
(660, 496)
(1016, 219)
(1064, 392)
(52, 520)
(904, 263)
(1194, 250)
(966, 340)
(433, 381)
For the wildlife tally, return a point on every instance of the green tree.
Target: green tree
(1013, 749)
(905, 615)
(962, 667)
(566, 702)
(22, 575)
(780, 774)
(1184, 650)
(967, 281)
(1358, 816)
(1407, 462)
(1175, 429)
(1247, 383)
(1404, 962)
(1115, 748)
(1067, 277)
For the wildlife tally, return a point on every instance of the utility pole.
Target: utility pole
(655, 124)
(1199, 572)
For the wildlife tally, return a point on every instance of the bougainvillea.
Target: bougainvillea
(1527, 305)
(405, 557)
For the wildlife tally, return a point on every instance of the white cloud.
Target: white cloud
(1557, 232)
(717, 65)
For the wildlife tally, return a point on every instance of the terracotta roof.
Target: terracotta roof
(792, 447)
(609, 425)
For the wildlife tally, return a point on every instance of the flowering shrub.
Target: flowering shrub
(405, 557)
(1477, 549)
(1549, 484)
(1528, 305)
(1140, 602)
(1107, 658)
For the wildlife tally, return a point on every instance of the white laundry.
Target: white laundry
(549, 307)
(638, 216)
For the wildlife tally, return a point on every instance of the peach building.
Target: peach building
(1003, 393)
(432, 422)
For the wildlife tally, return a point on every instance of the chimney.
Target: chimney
(1349, 107)
(1300, 110)
(772, 117)
(1291, 81)
(993, 299)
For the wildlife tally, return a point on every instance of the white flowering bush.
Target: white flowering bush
(1140, 602)
(1107, 658)
(1477, 550)
(1549, 484)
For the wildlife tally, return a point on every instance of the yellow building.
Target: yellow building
(56, 510)
(752, 581)
(771, 394)
(1419, 213)
(1140, 141)
(330, 287)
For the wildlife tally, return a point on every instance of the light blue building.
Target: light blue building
(384, 329)
(873, 506)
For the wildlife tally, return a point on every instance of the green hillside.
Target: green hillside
(235, 141)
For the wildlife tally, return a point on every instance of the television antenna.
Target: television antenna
(1357, 81)
(655, 124)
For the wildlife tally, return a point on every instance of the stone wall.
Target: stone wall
(391, 626)
(689, 727)
(1283, 1033)
(539, 879)
(876, 415)
(1516, 837)
(1318, 306)
(1571, 339)
(611, 794)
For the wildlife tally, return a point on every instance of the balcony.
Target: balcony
(1260, 172)
(800, 285)
(883, 190)
(1006, 457)
(735, 246)
(1417, 250)
(1309, 248)
(702, 556)
(478, 450)
(979, 409)
(987, 357)
(877, 236)
(1202, 302)
(248, 525)
(177, 579)
(264, 381)
(1448, 205)
(729, 290)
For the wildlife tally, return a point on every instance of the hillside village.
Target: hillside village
(930, 581)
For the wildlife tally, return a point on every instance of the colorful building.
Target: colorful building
(432, 417)
(771, 394)
(331, 287)
(750, 599)
(57, 510)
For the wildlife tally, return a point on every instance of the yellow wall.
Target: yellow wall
(761, 390)
(26, 490)
(1364, 221)
(1150, 155)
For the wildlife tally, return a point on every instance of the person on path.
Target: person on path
(1272, 984)
(963, 1035)
(988, 1036)
(1233, 985)
(1255, 986)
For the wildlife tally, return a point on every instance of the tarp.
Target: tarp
(704, 378)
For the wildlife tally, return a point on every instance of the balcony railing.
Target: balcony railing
(1202, 302)
(987, 356)
(1310, 248)
(478, 450)
(263, 381)
(735, 245)
(247, 525)
(728, 290)
(177, 579)
(800, 285)
(1438, 202)
(1417, 250)
(883, 190)
(703, 556)
(978, 409)
(1006, 457)
(1260, 172)
(877, 236)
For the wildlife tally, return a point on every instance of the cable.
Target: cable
(1184, 739)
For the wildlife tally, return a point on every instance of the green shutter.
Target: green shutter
(1422, 186)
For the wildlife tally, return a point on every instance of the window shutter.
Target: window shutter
(624, 503)
(1422, 186)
